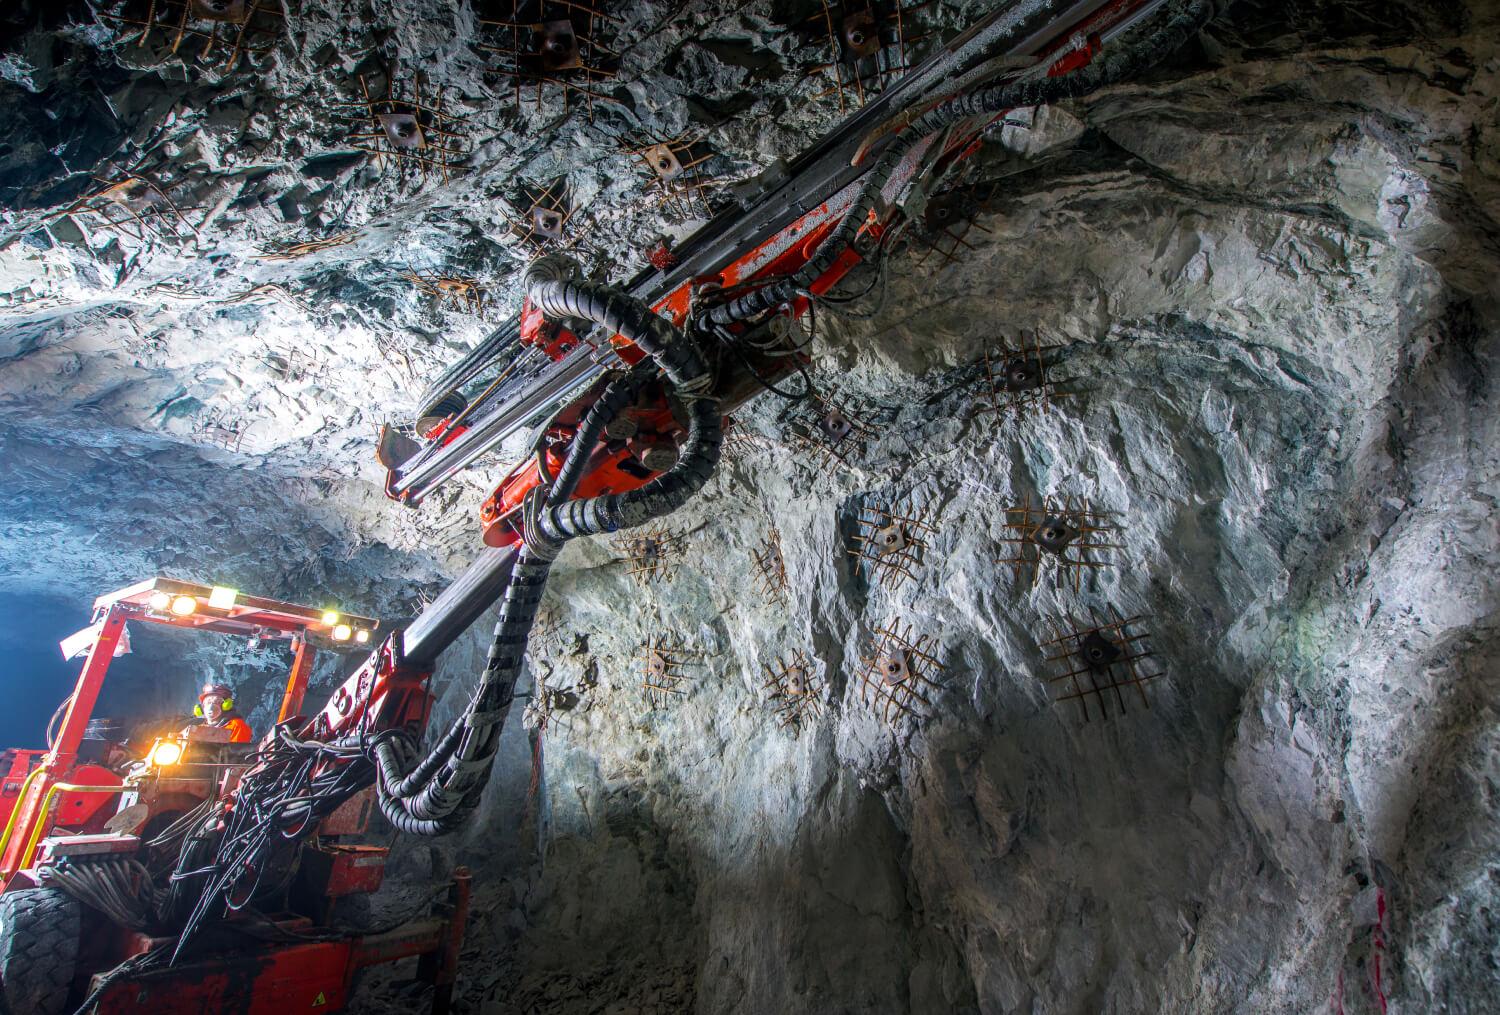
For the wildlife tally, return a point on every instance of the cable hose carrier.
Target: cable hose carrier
(434, 794)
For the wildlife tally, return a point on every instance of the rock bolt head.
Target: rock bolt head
(1098, 652)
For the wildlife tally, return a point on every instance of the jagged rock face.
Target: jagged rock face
(1268, 275)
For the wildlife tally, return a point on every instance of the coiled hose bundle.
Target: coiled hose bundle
(1143, 47)
(434, 794)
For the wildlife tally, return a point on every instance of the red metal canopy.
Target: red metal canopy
(232, 612)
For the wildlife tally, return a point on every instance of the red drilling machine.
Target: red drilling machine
(96, 828)
(627, 390)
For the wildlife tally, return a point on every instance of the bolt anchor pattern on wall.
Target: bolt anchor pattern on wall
(539, 215)
(822, 428)
(1017, 379)
(651, 554)
(900, 673)
(1105, 660)
(1065, 535)
(557, 45)
(410, 129)
(869, 44)
(794, 691)
(770, 568)
(680, 181)
(946, 223)
(662, 667)
(892, 544)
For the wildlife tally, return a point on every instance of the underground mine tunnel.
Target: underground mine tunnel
(786, 506)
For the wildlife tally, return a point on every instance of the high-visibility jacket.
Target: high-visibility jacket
(239, 729)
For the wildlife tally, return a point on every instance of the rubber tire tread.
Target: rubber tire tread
(40, 930)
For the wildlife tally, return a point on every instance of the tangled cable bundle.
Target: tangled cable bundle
(293, 785)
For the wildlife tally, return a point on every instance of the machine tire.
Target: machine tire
(39, 937)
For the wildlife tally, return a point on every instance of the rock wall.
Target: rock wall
(1265, 277)
(1269, 279)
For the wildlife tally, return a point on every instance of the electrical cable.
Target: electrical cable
(56, 718)
(291, 785)
(134, 964)
(729, 343)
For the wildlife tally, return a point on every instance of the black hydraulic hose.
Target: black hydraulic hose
(551, 287)
(445, 786)
(620, 393)
(1117, 63)
(660, 496)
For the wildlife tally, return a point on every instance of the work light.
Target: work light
(164, 754)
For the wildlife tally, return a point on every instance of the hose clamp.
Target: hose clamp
(538, 545)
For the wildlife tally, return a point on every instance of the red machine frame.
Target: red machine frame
(148, 602)
(57, 806)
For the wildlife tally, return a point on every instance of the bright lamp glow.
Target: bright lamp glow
(164, 754)
(221, 598)
(342, 632)
(183, 606)
(330, 618)
(159, 602)
(361, 636)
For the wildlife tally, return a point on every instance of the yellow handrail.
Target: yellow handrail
(61, 787)
(10, 824)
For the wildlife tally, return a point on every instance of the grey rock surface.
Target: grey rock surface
(1268, 274)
